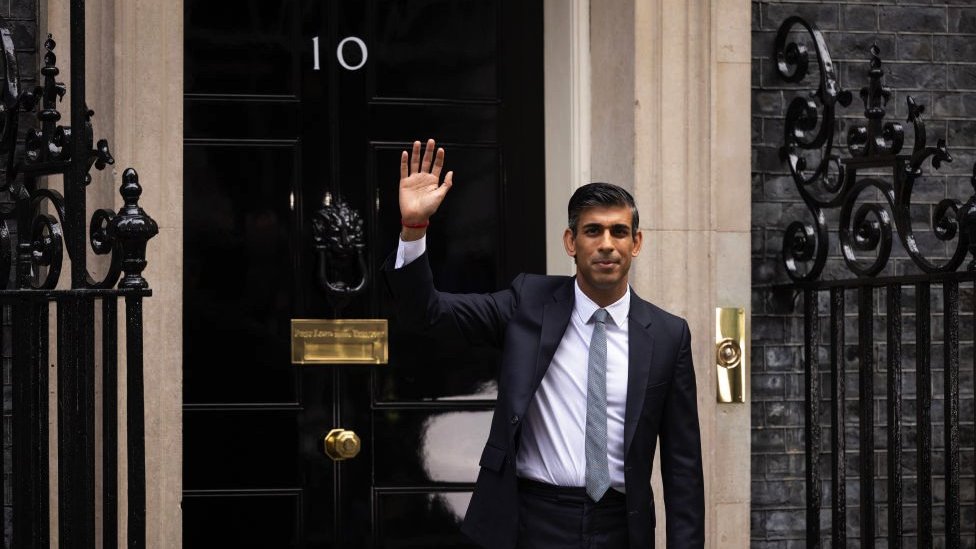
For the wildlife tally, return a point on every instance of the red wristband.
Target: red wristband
(418, 226)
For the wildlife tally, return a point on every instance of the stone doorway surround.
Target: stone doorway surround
(653, 95)
(134, 53)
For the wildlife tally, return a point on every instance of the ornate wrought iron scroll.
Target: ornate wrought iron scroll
(49, 225)
(340, 245)
(54, 149)
(826, 181)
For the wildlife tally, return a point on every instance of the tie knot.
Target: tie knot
(600, 315)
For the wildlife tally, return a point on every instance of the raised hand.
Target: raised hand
(421, 191)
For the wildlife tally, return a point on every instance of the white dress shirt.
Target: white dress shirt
(553, 437)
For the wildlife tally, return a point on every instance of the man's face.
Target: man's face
(603, 248)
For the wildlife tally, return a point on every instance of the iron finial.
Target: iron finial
(50, 58)
(132, 228)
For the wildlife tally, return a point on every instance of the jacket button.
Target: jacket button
(515, 419)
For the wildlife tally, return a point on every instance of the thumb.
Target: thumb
(448, 182)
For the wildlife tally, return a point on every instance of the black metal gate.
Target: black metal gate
(868, 193)
(41, 223)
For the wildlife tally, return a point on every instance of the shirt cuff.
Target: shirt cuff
(407, 252)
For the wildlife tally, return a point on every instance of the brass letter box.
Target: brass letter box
(342, 341)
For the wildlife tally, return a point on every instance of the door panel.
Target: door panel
(451, 123)
(464, 236)
(267, 134)
(252, 520)
(233, 120)
(452, 47)
(439, 513)
(471, 375)
(419, 447)
(241, 47)
(240, 449)
(238, 272)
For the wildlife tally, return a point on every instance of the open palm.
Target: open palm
(421, 191)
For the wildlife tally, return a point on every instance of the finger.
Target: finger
(438, 163)
(428, 153)
(404, 168)
(448, 181)
(415, 158)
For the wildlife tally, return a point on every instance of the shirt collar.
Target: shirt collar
(619, 310)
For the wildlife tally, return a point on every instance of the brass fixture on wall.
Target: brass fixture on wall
(730, 354)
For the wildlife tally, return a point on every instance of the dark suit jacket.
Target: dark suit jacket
(527, 322)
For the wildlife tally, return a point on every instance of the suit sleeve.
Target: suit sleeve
(480, 319)
(681, 457)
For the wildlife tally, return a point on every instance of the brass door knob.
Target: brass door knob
(341, 444)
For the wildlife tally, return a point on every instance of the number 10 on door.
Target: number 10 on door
(340, 56)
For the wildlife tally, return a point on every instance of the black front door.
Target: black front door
(286, 101)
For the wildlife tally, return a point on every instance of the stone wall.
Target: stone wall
(929, 52)
(687, 161)
(20, 16)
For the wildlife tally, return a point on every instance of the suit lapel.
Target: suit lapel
(641, 343)
(555, 318)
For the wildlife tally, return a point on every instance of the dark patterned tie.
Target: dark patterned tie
(597, 468)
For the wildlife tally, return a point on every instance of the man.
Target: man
(591, 377)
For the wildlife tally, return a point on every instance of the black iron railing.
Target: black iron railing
(835, 398)
(41, 225)
(828, 182)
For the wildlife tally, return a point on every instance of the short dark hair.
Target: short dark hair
(601, 195)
